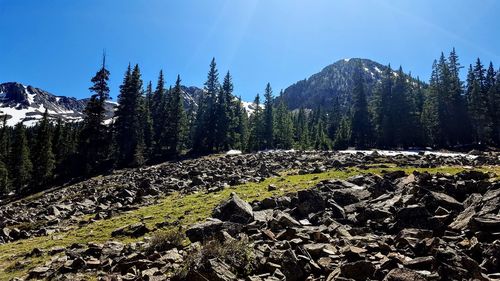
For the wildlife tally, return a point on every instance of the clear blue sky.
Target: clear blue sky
(57, 44)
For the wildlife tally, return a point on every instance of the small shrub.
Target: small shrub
(238, 254)
(164, 240)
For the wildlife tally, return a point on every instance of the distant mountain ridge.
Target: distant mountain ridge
(27, 104)
(333, 81)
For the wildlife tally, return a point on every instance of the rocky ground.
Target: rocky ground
(398, 225)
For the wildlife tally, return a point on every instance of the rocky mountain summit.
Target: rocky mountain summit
(396, 224)
(333, 81)
(27, 104)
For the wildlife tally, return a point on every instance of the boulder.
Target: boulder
(234, 210)
(204, 230)
(359, 270)
(132, 230)
(403, 274)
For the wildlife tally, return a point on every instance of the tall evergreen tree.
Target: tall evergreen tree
(148, 121)
(430, 111)
(268, 129)
(4, 179)
(334, 118)
(204, 136)
(93, 146)
(343, 134)
(20, 163)
(283, 125)
(401, 110)
(359, 113)
(223, 115)
(319, 139)
(42, 155)
(256, 138)
(4, 157)
(241, 133)
(478, 104)
(457, 120)
(129, 134)
(176, 121)
(494, 102)
(158, 115)
(302, 130)
(381, 108)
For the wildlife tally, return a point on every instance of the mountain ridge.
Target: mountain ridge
(334, 80)
(27, 103)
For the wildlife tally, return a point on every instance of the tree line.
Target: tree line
(153, 124)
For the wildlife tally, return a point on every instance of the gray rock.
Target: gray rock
(359, 270)
(234, 210)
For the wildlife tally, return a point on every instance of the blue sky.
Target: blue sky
(57, 45)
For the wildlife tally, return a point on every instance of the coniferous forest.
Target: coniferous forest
(152, 125)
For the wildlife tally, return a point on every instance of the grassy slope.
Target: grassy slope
(184, 209)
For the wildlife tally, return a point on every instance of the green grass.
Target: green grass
(185, 210)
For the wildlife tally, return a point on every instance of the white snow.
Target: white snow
(368, 70)
(17, 115)
(378, 69)
(233, 152)
(346, 60)
(250, 107)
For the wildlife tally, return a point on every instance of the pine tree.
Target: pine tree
(334, 118)
(401, 110)
(4, 157)
(93, 143)
(176, 121)
(381, 108)
(457, 121)
(20, 162)
(430, 111)
(494, 101)
(42, 156)
(158, 115)
(360, 124)
(302, 130)
(318, 128)
(268, 118)
(4, 179)
(478, 104)
(4, 140)
(283, 125)
(241, 133)
(129, 135)
(204, 136)
(148, 121)
(223, 114)
(61, 146)
(343, 134)
(256, 138)
(416, 100)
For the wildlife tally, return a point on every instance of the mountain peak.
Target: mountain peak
(333, 81)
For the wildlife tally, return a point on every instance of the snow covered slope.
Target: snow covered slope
(27, 104)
